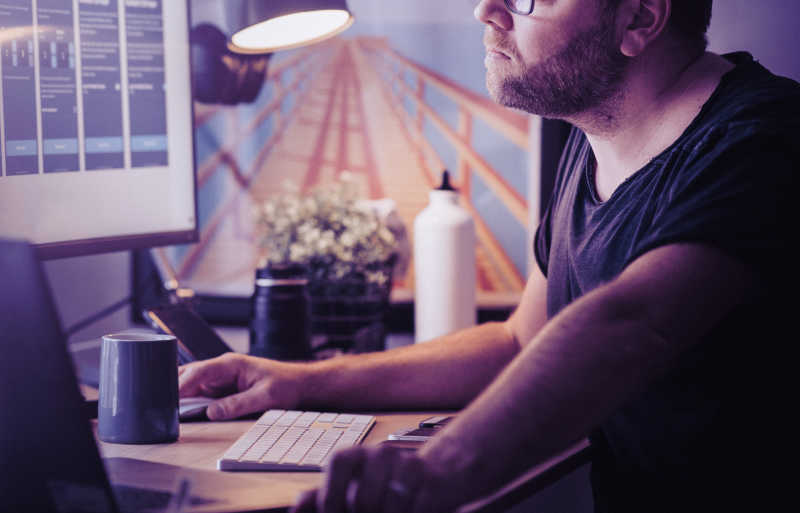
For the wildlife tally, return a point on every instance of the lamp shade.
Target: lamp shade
(265, 26)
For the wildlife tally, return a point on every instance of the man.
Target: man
(652, 324)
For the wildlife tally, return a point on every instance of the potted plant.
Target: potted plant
(349, 251)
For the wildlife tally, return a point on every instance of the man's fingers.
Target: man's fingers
(215, 372)
(363, 480)
(236, 405)
(372, 486)
(404, 484)
(344, 467)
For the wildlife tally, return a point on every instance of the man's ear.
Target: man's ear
(642, 21)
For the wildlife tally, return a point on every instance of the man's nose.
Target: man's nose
(494, 12)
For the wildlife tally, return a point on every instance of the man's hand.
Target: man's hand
(245, 384)
(386, 480)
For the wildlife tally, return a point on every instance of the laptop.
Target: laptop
(47, 449)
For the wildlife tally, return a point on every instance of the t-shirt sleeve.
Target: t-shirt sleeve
(570, 157)
(541, 243)
(735, 198)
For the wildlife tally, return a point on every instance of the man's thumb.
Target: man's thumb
(234, 405)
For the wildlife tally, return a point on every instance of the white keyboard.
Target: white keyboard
(294, 440)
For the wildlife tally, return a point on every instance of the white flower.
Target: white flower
(347, 239)
(329, 230)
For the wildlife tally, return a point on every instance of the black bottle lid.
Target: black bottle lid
(446, 186)
(282, 272)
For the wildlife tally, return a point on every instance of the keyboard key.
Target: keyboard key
(306, 419)
(302, 446)
(283, 444)
(264, 444)
(316, 455)
(345, 419)
(244, 443)
(270, 416)
(288, 418)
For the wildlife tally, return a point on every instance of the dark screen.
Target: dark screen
(197, 340)
(47, 448)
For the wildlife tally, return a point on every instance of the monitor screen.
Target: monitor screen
(96, 125)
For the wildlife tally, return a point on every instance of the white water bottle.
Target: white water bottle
(444, 265)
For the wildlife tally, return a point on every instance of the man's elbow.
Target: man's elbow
(511, 334)
(641, 338)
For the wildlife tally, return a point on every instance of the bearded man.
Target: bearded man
(653, 324)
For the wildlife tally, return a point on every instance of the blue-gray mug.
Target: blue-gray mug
(138, 401)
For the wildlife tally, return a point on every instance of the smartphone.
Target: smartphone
(196, 339)
(414, 434)
(435, 422)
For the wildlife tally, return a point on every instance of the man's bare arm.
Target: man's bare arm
(531, 314)
(444, 373)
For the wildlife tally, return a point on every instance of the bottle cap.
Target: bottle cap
(446, 182)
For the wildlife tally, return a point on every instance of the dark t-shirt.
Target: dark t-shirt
(706, 432)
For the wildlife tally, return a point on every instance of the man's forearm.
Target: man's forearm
(547, 398)
(444, 373)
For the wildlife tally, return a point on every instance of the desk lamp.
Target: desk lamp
(230, 66)
(266, 26)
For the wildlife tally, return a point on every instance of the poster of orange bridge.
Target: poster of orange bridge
(358, 105)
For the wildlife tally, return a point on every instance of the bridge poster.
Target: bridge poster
(392, 101)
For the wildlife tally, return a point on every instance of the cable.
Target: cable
(143, 282)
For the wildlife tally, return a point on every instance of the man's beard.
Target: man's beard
(586, 73)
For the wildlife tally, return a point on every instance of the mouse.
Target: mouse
(193, 407)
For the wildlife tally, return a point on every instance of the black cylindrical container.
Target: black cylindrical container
(281, 324)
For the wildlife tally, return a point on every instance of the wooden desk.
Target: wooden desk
(201, 443)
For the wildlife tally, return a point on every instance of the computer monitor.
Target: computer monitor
(96, 125)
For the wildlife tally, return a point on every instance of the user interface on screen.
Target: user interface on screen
(95, 119)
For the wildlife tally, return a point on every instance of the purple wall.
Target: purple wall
(767, 28)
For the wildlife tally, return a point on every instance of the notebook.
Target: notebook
(48, 452)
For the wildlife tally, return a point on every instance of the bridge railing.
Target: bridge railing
(393, 68)
(302, 66)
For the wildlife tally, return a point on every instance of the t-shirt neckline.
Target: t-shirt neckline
(740, 60)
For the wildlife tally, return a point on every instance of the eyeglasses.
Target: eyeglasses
(523, 7)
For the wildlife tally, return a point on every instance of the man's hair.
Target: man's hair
(689, 20)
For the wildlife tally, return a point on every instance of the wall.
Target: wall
(85, 285)
(767, 28)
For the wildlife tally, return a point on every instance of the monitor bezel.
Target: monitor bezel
(68, 249)
(110, 244)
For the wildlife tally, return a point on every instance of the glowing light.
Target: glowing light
(291, 31)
